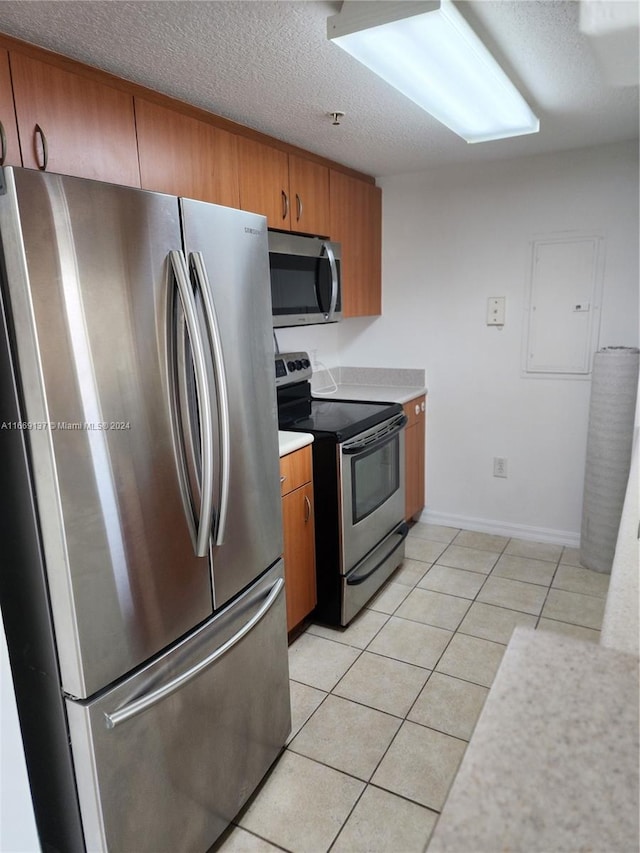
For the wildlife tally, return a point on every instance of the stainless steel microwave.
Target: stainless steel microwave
(305, 279)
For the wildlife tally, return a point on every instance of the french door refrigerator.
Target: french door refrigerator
(141, 582)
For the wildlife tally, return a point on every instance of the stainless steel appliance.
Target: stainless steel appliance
(305, 279)
(359, 489)
(142, 585)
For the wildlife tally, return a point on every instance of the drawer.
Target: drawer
(295, 470)
(415, 409)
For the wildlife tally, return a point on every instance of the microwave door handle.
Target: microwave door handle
(224, 429)
(201, 545)
(334, 280)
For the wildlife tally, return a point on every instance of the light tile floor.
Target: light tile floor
(383, 710)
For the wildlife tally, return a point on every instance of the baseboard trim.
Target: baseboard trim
(518, 531)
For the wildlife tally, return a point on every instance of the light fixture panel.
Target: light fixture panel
(428, 52)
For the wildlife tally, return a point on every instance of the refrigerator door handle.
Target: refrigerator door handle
(149, 699)
(200, 271)
(202, 534)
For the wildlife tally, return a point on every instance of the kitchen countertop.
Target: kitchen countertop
(553, 762)
(290, 441)
(620, 625)
(374, 384)
(373, 393)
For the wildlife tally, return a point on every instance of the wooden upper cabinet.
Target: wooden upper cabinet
(81, 127)
(10, 147)
(356, 223)
(291, 191)
(309, 196)
(183, 156)
(264, 182)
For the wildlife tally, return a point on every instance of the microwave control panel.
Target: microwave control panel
(292, 367)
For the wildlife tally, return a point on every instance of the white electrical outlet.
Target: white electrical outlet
(499, 466)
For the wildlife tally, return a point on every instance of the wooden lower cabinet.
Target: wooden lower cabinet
(415, 450)
(299, 535)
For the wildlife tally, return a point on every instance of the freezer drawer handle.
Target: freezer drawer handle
(150, 699)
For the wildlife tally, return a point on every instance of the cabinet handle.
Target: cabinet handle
(307, 509)
(285, 205)
(422, 406)
(417, 408)
(282, 479)
(298, 207)
(3, 144)
(39, 132)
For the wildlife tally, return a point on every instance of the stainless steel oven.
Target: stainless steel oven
(372, 495)
(359, 488)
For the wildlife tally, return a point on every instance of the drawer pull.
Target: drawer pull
(307, 509)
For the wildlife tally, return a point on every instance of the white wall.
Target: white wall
(451, 239)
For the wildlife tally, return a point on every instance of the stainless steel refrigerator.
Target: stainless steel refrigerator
(140, 530)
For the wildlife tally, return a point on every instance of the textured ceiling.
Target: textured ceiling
(269, 65)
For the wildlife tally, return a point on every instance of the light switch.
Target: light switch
(495, 311)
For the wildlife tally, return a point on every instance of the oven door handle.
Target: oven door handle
(354, 579)
(350, 449)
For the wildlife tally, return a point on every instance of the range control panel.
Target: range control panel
(292, 367)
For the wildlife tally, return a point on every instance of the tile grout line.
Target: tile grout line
(405, 718)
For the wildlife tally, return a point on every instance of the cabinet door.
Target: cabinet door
(10, 149)
(415, 446)
(264, 182)
(299, 554)
(356, 211)
(89, 127)
(309, 183)
(183, 156)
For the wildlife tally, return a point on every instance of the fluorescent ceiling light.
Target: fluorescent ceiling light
(428, 52)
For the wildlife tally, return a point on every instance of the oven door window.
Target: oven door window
(375, 476)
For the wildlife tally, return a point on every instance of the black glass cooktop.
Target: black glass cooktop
(341, 419)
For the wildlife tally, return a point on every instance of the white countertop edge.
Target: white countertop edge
(288, 442)
(371, 393)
